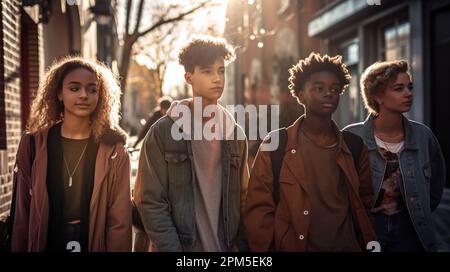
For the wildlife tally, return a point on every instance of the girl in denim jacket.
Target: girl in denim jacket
(408, 169)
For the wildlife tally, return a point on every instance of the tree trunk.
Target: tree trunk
(123, 72)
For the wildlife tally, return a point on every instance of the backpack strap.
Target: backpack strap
(276, 157)
(355, 144)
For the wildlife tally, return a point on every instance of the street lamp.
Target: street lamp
(102, 11)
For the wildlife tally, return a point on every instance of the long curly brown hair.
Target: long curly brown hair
(47, 110)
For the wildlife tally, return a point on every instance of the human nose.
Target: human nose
(409, 93)
(83, 93)
(327, 91)
(217, 77)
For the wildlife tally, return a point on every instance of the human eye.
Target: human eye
(92, 90)
(335, 90)
(398, 88)
(318, 89)
(74, 88)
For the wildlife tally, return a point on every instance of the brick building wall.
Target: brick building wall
(31, 57)
(10, 103)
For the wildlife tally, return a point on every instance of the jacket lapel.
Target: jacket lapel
(39, 206)
(101, 169)
(292, 158)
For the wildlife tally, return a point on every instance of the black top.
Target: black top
(55, 188)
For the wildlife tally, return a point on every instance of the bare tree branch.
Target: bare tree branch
(139, 16)
(127, 20)
(180, 16)
(169, 14)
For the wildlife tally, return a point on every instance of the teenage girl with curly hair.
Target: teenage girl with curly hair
(74, 193)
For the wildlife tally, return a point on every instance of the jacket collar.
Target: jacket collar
(294, 162)
(369, 139)
(293, 130)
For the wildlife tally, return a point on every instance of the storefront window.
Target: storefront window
(350, 53)
(396, 41)
(350, 100)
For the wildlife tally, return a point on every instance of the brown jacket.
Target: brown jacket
(110, 205)
(285, 227)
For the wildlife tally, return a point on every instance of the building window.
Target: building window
(350, 101)
(350, 52)
(395, 42)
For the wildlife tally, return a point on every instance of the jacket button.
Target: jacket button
(305, 212)
(301, 237)
(412, 199)
(293, 151)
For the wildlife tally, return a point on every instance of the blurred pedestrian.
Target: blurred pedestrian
(163, 105)
(76, 194)
(408, 169)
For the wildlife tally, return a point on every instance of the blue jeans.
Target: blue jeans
(396, 233)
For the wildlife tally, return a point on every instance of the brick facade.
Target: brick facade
(10, 103)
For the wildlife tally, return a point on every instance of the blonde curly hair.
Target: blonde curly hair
(47, 110)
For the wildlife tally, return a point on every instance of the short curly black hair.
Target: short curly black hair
(300, 72)
(203, 51)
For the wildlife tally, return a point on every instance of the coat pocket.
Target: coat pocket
(427, 171)
(288, 241)
(178, 167)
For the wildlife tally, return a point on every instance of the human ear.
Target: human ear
(187, 77)
(301, 96)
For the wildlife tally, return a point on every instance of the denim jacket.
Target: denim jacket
(164, 189)
(422, 168)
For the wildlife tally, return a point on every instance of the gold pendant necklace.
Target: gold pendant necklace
(76, 166)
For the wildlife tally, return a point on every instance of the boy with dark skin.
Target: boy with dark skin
(324, 199)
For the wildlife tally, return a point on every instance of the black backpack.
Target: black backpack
(354, 143)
